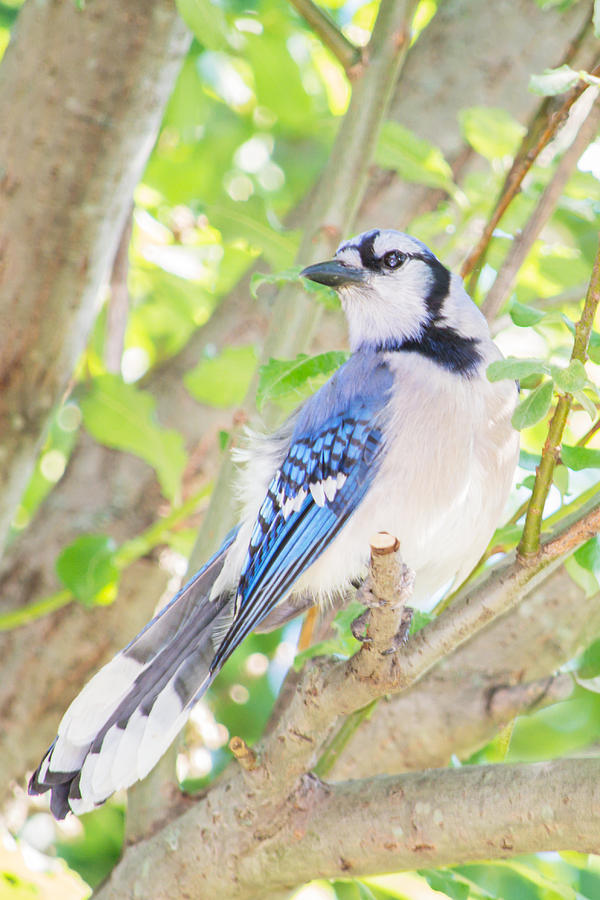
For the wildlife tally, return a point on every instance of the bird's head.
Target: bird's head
(393, 288)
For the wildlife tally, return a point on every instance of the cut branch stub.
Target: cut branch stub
(243, 753)
(386, 592)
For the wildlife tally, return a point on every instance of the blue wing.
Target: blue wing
(332, 459)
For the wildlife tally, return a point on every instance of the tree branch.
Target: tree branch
(453, 702)
(547, 121)
(330, 689)
(364, 827)
(346, 53)
(523, 241)
(118, 302)
(530, 541)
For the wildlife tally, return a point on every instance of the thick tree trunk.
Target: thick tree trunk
(82, 92)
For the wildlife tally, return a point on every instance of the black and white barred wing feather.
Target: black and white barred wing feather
(322, 481)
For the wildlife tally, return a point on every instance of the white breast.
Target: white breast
(444, 478)
(443, 481)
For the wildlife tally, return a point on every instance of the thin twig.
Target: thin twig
(340, 740)
(544, 126)
(366, 826)
(308, 629)
(530, 542)
(586, 438)
(391, 582)
(347, 54)
(523, 242)
(244, 754)
(118, 303)
(580, 531)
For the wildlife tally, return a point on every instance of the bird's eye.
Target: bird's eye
(393, 259)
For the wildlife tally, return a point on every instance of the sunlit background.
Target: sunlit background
(239, 148)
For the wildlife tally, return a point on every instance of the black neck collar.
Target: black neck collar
(441, 344)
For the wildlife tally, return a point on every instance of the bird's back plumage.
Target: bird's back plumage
(408, 436)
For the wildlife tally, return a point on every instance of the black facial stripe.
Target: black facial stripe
(367, 252)
(440, 286)
(444, 346)
(441, 275)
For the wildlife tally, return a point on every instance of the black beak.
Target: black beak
(334, 273)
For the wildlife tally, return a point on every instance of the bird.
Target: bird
(408, 436)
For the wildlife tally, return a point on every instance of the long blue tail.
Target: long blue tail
(121, 723)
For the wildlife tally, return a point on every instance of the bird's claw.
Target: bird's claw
(400, 639)
(358, 626)
(367, 596)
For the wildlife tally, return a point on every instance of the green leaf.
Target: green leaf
(88, 569)
(588, 404)
(586, 580)
(528, 461)
(355, 890)
(281, 378)
(206, 21)
(412, 157)
(248, 223)
(446, 882)
(419, 620)
(527, 482)
(571, 379)
(533, 407)
(506, 537)
(561, 479)
(589, 662)
(343, 644)
(594, 347)
(554, 81)
(492, 133)
(578, 458)
(516, 368)
(224, 380)
(525, 316)
(588, 555)
(121, 416)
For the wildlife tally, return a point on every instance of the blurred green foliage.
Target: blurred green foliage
(247, 130)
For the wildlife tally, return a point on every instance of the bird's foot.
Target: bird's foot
(358, 626)
(400, 639)
(367, 596)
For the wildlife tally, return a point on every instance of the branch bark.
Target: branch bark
(455, 705)
(72, 149)
(323, 25)
(366, 827)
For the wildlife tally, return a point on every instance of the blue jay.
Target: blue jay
(408, 436)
